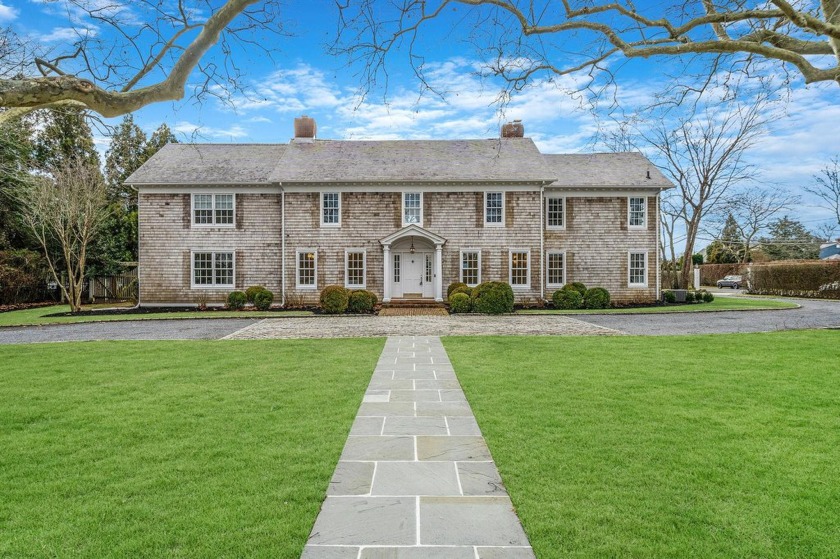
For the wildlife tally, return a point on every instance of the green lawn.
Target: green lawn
(172, 449)
(719, 304)
(31, 317)
(701, 446)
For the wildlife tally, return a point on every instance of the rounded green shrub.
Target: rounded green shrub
(334, 299)
(460, 303)
(465, 290)
(492, 297)
(577, 286)
(708, 297)
(567, 299)
(361, 301)
(251, 292)
(596, 298)
(669, 297)
(263, 299)
(453, 286)
(689, 296)
(236, 300)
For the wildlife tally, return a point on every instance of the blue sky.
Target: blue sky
(302, 79)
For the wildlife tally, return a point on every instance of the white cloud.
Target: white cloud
(7, 13)
(66, 34)
(197, 132)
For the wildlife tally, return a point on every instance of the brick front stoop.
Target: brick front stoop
(416, 479)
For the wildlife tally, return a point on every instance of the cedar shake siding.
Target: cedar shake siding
(168, 238)
(278, 214)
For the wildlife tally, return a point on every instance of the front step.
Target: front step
(414, 303)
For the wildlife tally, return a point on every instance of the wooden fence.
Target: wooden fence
(122, 287)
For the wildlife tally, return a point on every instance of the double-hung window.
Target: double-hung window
(330, 209)
(555, 268)
(307, 269)
(471, 267)
(520, 268)
(413, 208)
(212, 269)
(637, 273)
(213, 209)
(354, 268)
(637, 214)
(494, 209)
(554, 213)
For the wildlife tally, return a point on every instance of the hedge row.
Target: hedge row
(23, 277)
(490, 297)
(799, 278)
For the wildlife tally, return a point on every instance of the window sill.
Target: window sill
(220, 286)
(555, 228)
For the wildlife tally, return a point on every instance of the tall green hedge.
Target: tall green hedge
(819, 279)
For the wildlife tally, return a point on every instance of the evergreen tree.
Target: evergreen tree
(15, 161)
(729, 247)
(790, 240)
(160, 137)
(126, 154)
(64, 140)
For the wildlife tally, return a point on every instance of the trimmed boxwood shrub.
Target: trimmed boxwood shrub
(236, 300)
(689, 296)
(492, 297)
(263, 299)
(460, 303)
(361, 301)
(669, 297)
(251, 292)
(567, 299)
(465, 290)
(596, 298)
(453, 286)
(708, 297)
(577, 286)
(334, 299)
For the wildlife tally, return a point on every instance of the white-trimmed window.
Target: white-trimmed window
(331, 209)
(494, 209)
(520, 268)
(212, 269)
(637, 272)
(412, 208)
(471, 267)
(555, 268)
(397, 262)
(216, 210)
(637, 212)
(355, 270)
(555, 212)
(307, 268)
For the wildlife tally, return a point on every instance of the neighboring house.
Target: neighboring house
(401, 218)
(830, 250)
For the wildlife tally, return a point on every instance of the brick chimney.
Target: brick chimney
(513, 129)
(305, 128)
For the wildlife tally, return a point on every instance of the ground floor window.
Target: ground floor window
(520, 268)
(555, 266)
(307, 265)
(471, 267)
(354, 269)
(212, 269)
(638, 269)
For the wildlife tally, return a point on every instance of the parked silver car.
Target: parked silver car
(735, 282)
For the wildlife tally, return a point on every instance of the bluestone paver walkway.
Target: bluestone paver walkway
(416, 479)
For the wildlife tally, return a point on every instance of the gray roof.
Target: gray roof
(501, 159)
(210, 164)
(628, 169)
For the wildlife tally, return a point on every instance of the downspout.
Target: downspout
(542, 242)
(135, 188)
(282, 244)
(658, 248)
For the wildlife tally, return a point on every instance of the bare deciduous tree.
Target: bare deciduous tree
(139, 53)
(827, 187)
(703, 156)
(67, 211)
(519, 38)
(752, 210)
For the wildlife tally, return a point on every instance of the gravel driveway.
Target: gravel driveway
(813, 314)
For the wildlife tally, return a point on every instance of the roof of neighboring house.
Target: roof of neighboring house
(514, 160)
(830, 251)
(210, 164)
(500, 159)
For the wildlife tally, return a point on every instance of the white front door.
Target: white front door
(413, 275)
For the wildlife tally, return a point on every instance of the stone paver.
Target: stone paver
(416, 479)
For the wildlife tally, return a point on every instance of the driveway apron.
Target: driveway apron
(416, 479)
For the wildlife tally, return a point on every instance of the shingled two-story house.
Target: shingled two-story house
(401, 218)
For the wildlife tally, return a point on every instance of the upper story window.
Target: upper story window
(412, 208)
(331, 209)
(555, 213)
(494, 208)
(212, 269)
(637, 214)
(213, 209)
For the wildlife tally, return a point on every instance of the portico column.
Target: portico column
(386, 279)
(438, 273)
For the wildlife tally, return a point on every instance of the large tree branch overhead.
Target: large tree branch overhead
(519, 37)
(95, 75)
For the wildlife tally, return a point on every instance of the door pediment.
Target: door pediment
(412, 231)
